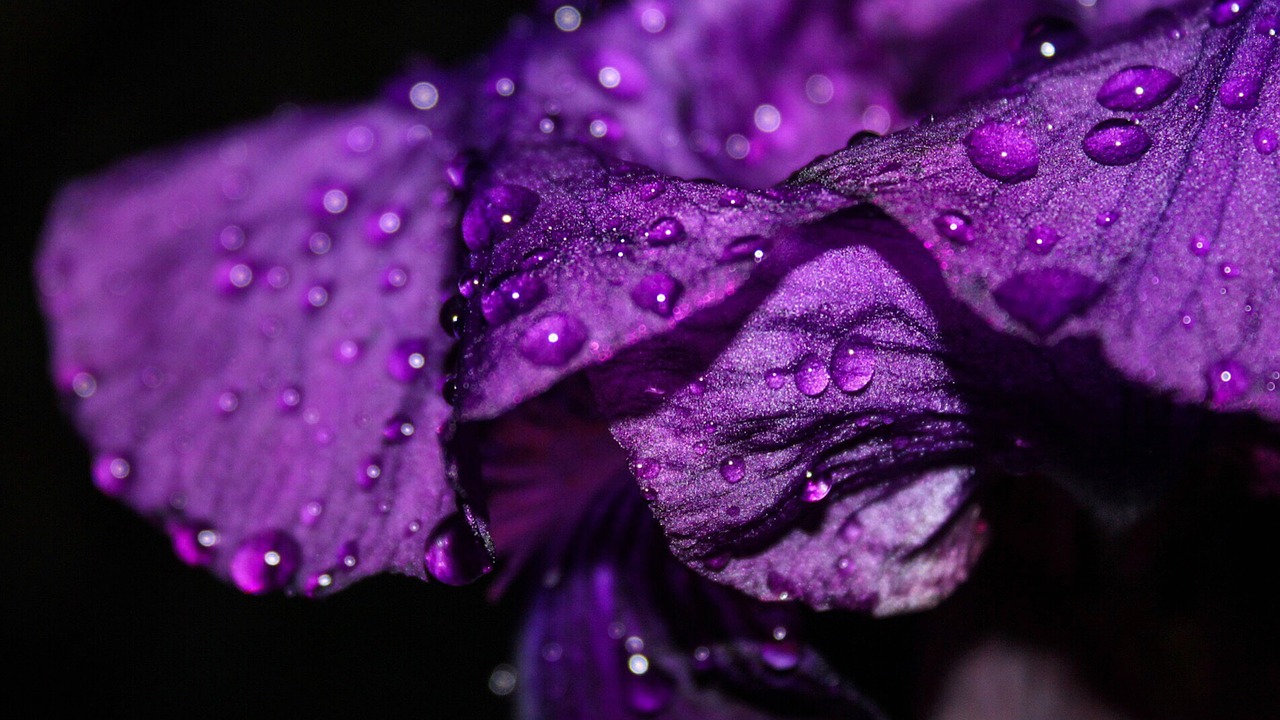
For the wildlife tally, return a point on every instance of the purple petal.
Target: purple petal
(820, 456)
(231, 348)
(619, 629)
(607, 269)
(1150, 222)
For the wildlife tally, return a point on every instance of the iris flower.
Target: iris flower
(488, 320)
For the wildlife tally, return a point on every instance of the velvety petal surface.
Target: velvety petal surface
(575, 257)
(821, 453)
(1130, 195)
(246, 330)
(619, 629)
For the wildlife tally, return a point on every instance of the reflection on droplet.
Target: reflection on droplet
(265, 562)
(454, 555)
(568, 18)
(424, 95)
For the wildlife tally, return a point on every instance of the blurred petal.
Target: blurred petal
(1131, 196)
(575, 258)
(247, 331)
(823, 453)
(619, 629)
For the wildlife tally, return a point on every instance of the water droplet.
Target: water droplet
(113, 474)
(228, 402)
(1228, 382)
(1268, 23)
(369, 472)
(454, 555)
(1003, 151)
(650, 189)
(811, 376)
(853, 364)
(83, 384)
(1265, 140)
(514, 296)
(265, 562)
(194, 542)
(657, 293)
(382, 226)
(733, 469)
(1107, 219)
(1048, 39)
(553, 339)
(497, 214)
(1044, 298)
(1230, 270)
(407, 359)
(348, 556)
(775, 378)
(749, 246)
(1137, 88)
(954, 226)
(1241, 92)
(289, 399)
(452, 316)
(317, 583)
(424, 95)
(1041, 239)
(1116, 142)
(645, 468)
(1224, 12)
(398, 429)
(1200, 245)
(816, 487)
(234, 277)
(733, 197)
(316, 297)
(231, 238)
(347, 351)
(567, 18)
(664, 231)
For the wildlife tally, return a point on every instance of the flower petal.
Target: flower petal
(1135, 201)
(563, 275)
(246, 330)
(823, 453)
(620, 629)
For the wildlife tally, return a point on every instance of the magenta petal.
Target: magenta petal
(229, 347)
(621, 630)
(1150, 222)
(612, 254)
(821, 455)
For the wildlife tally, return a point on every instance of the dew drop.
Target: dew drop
(811, 376)
(1003, 151)
(1116, 142)
(853, 364)
(194, 542)
(228, 402)
(733, 197)
(514, 296)
(751, 247)
(664, 231)
(112, 474)
(658, 293)
(775, 378)
(1225, 12)
(234, 277)
(497, 214)
(1241, 92)
(1044, 298)
(289, 399)
(954, 226)
(1230, 270)
(733, 469)
(265, 562)
(369, 472)
(1137, 88)
(1106, 219)
(398, 429)
(1265, 141)
(407, 360)
(645, 468)
(816, 488)
(1228, 382)
(1200, 245)
(1041, 239)
(553, 340)
(454, 555)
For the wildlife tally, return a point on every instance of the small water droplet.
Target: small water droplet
(1137, 88)
(1200, 245)
(265, 562)
(194, 542)
(733, 197)
(1107, 219)
(398, 429)
(1265, 140)
(454, 555)
(113, 474)
(1228, 382)
(289, 399)
(664, 231)
(645, 468)
(369, 472)
(811, 376)
(1241, 92)
(658, 293)
(553, 339)
(383, 225)
(733, 469)
(954, 226)
(1041, 239)
(407, 359)
(1230, 270)
(1003, 151)
(1116, 142)
(775, 378)
(1225, 12)
(514, 296)
(751, 247)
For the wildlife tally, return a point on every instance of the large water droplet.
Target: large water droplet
(1137, 88)
(1116, 142)
(407, 359)
(496, 215)
(553, 339)
(811, 376)
(733, 469)
(1228, 382)
(113, 474)
(265, 562)
(1044, 298)
(853, 364)
(1003, 151)
(1241, 92)
(954, 226)
(514, 296)
(454, 555)
(657, 293)
(664, 231)
(816, 487)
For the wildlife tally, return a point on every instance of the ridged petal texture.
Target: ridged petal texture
(1131, 195)
(247, 332)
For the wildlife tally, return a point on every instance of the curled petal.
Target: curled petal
(822, 455)
(1150, 222)
(246, 332)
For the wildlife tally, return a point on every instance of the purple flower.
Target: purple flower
(486, 321)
